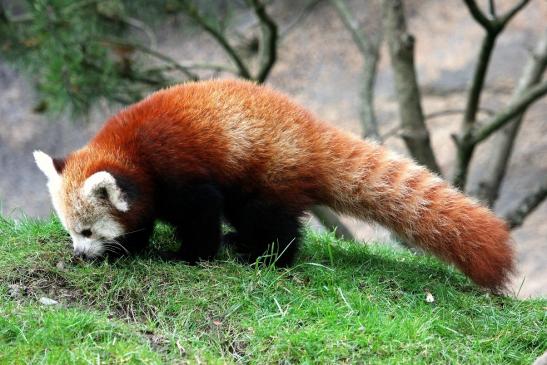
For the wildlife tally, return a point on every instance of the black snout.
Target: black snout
(79, 253)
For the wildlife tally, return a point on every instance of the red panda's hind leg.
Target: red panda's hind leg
(263, 231)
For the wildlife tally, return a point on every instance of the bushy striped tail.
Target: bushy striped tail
(375, 184)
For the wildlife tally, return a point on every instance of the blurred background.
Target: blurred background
(456, 84)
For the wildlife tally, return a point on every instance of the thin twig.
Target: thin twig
(442, 113)
(143, 27)
(194, 13)
(359, 37)
(509, 112)
(391, 132)
(492, 8)
(151, 52)
(196, 66)
(496, 24)
(477, 14)
(504, 19)
(516, 216)
(298, 19)
(76, 5)
(268, 54)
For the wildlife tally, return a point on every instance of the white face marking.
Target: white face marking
(84, 210)
(90, 212)
(102, 234)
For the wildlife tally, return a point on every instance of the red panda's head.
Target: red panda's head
(99, 207)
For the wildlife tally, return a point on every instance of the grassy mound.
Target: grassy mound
(341, 303)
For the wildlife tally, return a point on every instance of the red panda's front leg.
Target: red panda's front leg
(196, 213)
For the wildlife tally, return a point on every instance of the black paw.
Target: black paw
(231, 239)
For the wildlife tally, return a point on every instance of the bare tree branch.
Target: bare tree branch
(268, 54)
(143, 27)
(361, 40)
(509, 112)
(401, 49)
(442, 113)
(392, 132)
(493, 28)
(491, 180)
(504, 19)
(477, 83)
(492, 8)
(516, 216)
(120, 42)
(331, 221)
(306, 10)
(211, 67)
(194, 13)
(465, 148)
(268, 44)
(477, 14)
(369, 48)
(495, 24)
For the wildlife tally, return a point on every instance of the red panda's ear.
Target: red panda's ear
(102, 185)
(52, 168)
(59, 164)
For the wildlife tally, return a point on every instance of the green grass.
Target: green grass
(340, 303)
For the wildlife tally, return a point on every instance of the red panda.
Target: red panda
(194, 154)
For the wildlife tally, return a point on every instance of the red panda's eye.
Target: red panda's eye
(86, 233)
(102, 193)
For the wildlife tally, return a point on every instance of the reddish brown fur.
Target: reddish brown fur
(238, 133)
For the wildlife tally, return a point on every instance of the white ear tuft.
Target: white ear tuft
(45, 163)
(100, 182)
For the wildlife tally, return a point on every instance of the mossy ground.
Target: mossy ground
(341, 303)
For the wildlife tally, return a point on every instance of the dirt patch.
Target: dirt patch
(158, 342)
(37, 283)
